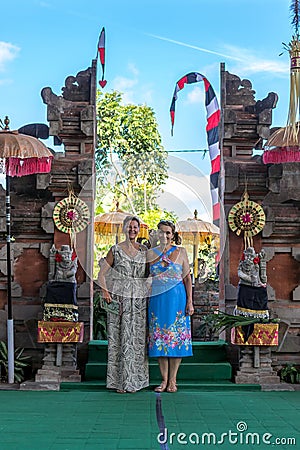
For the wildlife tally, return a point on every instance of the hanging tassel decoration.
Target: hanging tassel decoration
(292, 128)
(18, 167)
(101, 52)
(283, 145)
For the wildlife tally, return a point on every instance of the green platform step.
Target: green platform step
(207, 370)
(187, 371)
(204, 386)
(214, 351)
(207, 363)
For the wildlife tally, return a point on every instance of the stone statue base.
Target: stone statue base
(256, 366)
(59, 364)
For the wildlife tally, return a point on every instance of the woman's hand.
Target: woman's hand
(189, 310)
(106, 296)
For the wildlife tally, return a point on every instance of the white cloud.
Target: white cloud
(184, 194)
(186, 190)
(133, 69)
(247, 60)
(44, 5)
(126, 85)
(122, 84)
(196, 95)
(201, 49)
(147, 96)
(8, 52)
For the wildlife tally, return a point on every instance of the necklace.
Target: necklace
(130, 250)
(166, 261)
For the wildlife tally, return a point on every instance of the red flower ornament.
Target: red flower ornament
(58, 257)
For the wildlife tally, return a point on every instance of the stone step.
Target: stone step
(214, 351)
(187, 371)
(39, 386)
(70, 378)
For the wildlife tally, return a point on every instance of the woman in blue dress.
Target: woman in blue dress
(170, 305)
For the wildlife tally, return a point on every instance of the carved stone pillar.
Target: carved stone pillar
(256, 366)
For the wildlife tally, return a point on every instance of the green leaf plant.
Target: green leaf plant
(99, 319)
(213, 323)
(20, 363)
(290, 374)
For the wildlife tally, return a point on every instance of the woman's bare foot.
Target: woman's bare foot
(162, 387)
(172, 387)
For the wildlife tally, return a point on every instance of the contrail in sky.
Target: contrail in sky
(195, 47)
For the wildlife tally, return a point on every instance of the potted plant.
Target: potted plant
(290, 374)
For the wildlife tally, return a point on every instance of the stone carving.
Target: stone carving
(252, 268)
(252, 300)
(63, 264)
(61, 300)
(78, 88)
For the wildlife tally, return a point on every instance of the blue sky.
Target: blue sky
(150, 44)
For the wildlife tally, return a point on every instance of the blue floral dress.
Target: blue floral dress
(169, 327)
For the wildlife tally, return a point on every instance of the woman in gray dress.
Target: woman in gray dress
(122, 279)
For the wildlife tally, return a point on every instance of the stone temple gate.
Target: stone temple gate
(72, 118)
(246, 123)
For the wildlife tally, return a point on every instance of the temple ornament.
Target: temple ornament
(246, 217)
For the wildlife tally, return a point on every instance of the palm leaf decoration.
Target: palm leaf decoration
(223, 321)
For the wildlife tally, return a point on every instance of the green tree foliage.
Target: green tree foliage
(130, 132)
(207, 260)
(152, 218)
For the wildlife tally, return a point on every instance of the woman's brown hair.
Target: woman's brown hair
(169, 223)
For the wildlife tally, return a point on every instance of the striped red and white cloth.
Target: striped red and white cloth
(212, 130)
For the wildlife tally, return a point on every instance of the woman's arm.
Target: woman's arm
(105, 266)
(187, 281)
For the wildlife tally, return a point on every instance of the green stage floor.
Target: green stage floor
(76, 420)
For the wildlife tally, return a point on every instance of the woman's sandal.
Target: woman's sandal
(161, 388)
(172, 387)
(120, 391)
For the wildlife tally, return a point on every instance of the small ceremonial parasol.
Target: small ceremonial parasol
(21, 155)
(110, 224)
(196, 231)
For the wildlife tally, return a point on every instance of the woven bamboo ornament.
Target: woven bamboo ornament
(246, 217)
(71, 215)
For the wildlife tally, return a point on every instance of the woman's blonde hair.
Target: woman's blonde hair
(129, 219)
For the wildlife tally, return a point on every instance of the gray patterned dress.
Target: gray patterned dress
(127, 365)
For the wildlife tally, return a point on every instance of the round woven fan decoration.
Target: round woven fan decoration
(71, 215)
(246, 216)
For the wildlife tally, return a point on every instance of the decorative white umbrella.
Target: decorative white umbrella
(22, 155)
(196, 231)
(110, 224)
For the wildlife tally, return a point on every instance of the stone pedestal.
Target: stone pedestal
(256, 366)
(59, 364)
(205, 299)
